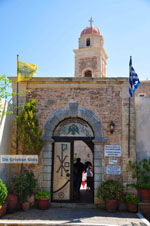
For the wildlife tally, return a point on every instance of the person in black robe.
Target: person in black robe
(78, 169)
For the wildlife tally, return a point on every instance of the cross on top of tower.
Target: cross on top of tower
(91, 21)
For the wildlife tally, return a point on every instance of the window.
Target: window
(88, 42)
(88, 73)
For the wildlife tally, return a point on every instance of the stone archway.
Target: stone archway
(74, 111)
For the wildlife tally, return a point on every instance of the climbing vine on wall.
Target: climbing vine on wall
(29, 132)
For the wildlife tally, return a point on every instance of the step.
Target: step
(72, 205)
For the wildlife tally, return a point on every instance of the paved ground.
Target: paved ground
(74, 216)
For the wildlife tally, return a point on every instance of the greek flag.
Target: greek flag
(134, 81)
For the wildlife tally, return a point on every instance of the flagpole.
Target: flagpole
(17, 105)
(129, 128)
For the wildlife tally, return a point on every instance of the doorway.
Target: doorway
(66, 151)
(84, 154)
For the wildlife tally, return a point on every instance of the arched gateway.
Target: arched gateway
(61, 131)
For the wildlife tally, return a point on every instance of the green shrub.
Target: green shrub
(141, 172)
(132, 198)
(43, 194)
(3, 193)
(110, 190)
(24, 185)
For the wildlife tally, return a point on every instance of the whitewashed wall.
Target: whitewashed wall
(5, 137)
(142, 127)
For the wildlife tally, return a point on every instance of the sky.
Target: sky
(45, 32)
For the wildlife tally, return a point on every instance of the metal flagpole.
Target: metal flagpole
(129, 128)
(17, 105)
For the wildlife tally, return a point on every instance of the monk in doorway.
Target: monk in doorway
(78, 169)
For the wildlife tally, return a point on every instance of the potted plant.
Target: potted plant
(43, 199)
(32, 182)
(3, 196)
(140, 172)
(132, 202)
(110, 191)
(24, 185)
(12, 202)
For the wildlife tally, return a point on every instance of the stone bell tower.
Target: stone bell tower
(90, 58)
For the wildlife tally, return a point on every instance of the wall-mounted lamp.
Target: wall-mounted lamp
(112, 126)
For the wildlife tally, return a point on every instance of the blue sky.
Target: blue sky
(45, 32)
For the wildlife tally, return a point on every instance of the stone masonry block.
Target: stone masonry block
(97, 148)
(96, 184)
(47, 162)
(46, 188)
(47, 155)
(46, 169)
(98, 154)
(97, 169)
(97, 162)
(46, 184)
(97, 177)
(48, 147)
(47, 177)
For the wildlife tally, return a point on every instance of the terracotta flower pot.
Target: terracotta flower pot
(132, 207)
(3, 209)
(31, 200)
(12, 201)
(25, 206)
(43, 203)
(111, 205)
(144, 194)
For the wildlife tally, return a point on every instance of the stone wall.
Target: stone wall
(107, 98)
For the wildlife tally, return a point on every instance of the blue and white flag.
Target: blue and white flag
(134, 81)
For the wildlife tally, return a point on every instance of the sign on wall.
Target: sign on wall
(112, 150)
(28, 159)
(113, 170)
(113, 160)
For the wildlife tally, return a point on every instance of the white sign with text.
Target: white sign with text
(113, 170)
(28, 159)
(112, 150)
(113, 160)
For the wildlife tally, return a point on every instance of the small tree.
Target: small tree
(29, 132)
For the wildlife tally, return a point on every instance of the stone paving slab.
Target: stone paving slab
(73, 217)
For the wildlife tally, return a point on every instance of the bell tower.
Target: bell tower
(90, 57)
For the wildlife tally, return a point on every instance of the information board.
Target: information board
(113, 170)
(112, 150)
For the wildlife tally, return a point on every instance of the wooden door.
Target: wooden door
(61, 186)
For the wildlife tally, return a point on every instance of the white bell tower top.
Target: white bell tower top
(90, 58)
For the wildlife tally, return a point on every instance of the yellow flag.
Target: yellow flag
(25, 71)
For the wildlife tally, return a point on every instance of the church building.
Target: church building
(86, 116)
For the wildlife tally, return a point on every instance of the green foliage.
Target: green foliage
(43, 194)
(29, 132)
(4, 85)
(132, 198)
(110, 190)
(3, 193)
(24, 185)
(141, 172)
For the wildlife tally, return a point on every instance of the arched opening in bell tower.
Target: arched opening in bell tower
(88, 42)
(88, 73)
